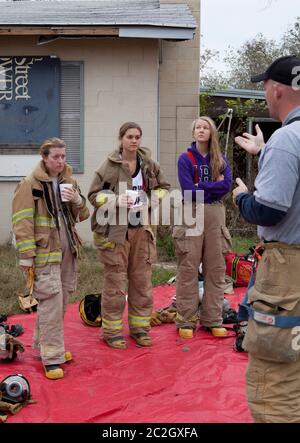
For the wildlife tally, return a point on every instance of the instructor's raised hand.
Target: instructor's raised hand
(251, 143)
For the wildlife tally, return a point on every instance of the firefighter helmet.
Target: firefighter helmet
(90, 310)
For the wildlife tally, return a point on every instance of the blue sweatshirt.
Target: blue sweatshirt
(213, 190)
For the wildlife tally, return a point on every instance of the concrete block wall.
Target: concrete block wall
(179, 95)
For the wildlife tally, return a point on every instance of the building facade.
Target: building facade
(79, 69)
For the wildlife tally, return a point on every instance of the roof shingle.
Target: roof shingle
(95, 13)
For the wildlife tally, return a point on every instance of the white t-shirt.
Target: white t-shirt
(137, 185)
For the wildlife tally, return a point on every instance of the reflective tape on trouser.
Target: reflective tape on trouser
(48, 257)
(274, 320)
(115, 325)
(135, 320)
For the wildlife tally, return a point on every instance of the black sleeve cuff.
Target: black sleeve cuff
(256, 213)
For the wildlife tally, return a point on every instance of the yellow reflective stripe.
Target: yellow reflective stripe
(102, 241)
(25, 245)
(46, 254)
(44, 221)
(21, 215)
(115, 328)
(139, 317)
(50, 257)
(139, 323)
(112, 324)
(54, 259)
(136, 320)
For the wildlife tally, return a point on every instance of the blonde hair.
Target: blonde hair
(217, 162)
(53, 142)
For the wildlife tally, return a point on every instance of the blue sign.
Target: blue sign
(29, 99)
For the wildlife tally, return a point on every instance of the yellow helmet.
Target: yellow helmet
(90, 310)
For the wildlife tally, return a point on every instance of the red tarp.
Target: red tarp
(175, 381)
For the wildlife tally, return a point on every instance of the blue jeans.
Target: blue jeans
(243, 312)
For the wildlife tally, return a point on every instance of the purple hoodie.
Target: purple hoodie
(213, 190)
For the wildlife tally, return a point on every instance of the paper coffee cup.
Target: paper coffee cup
(132, 194)
(62, 187)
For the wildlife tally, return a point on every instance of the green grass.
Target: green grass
(90, 271)
(12, 281)
(161, 275)
(90, 275)
(90, 278)
(165, 247)
(242, 244)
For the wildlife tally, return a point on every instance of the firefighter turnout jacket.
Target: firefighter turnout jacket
(38, 212)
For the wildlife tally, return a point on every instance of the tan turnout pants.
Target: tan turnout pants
(273, 391)
(273, 373)
(208, 249)
(53, 285)
(131, 260)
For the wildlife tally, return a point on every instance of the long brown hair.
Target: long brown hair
(124, 128)
(217, 162)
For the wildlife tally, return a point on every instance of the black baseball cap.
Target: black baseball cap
(281, 70)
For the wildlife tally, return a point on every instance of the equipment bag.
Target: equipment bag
(239, 268)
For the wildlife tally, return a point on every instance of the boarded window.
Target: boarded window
(71, 105)
(29, 100)
(18, 160)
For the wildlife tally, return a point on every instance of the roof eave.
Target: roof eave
(234, 92)
(154, 32)
(158, 32)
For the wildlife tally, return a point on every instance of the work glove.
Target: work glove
(165, 315)
(104, 197)
(26, 301)
(155, 321)
(9, 347)
(156, 197)
(6, 407)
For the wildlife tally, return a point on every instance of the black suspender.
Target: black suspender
(295, 119)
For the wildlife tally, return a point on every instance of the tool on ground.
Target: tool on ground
(14, 394)
(15, 389)
(26, 301)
